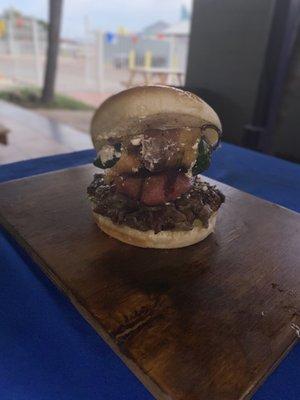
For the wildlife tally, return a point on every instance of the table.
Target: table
(44, 136)
(35, 362)
(149, 73)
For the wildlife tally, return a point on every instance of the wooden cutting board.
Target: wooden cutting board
(208, 321)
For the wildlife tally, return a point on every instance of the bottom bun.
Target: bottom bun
(161, 240)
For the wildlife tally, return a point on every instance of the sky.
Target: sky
(107, 15)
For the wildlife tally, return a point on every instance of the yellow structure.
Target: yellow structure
(2, 27)
(148, 59)
(131, 59)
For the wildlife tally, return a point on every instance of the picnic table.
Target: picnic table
(48, 351)
(151, 75)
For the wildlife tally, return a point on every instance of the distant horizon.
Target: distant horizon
(79, 15)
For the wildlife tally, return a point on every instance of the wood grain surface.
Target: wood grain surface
(208, 321)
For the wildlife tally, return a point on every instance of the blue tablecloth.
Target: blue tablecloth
(47, 350)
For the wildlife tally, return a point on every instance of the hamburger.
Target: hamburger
(152, 142)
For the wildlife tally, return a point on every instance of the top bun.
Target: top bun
(132, 111)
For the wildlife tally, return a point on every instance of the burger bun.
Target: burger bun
(132, 111)
(160, 240)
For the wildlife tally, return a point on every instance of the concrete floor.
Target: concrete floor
(77, 119)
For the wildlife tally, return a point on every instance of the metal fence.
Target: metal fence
(113, 63)
(102, 62)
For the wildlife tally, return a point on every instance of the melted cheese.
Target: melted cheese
(107, 153)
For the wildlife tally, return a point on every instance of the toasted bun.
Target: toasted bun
(131, 111)
(161, 240)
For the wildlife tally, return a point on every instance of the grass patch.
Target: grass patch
(31, 98)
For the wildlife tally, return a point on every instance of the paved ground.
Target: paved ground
(72, 74)
(77, 119)
(93, 99)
